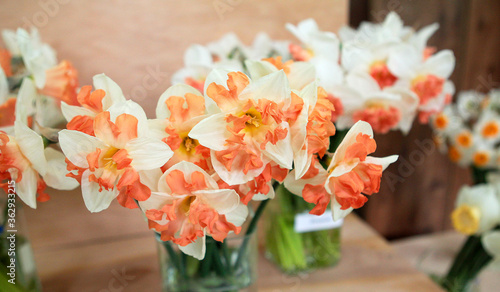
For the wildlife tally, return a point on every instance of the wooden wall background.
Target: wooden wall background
(419, 193)
(130, 39)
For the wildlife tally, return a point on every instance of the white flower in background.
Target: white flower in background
(427, 78)
(228, 46)
(493, 100)
(7, 105)
(484, 155)
(40, 112)
(491, 243)
(488, 127)
(38, 57)
(447, 122)
(391, 30)
(387, 109)
(9, 38)
(320, 48)
(299, 74)
(477, 209)
(372, 61)
(198, 62)
(264, 47)
(469, 104)
(419, 38)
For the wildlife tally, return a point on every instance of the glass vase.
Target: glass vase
(297, 241)
(17, 263)
(228, 266)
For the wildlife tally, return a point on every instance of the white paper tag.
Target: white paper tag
(305, 222)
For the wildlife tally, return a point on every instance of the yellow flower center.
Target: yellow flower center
(441, 122)
(255, 118)
(186, 204)
(466, 219)
(490, 130)
(190, 144)
(480, 158)
(464, 139)
(107, 158)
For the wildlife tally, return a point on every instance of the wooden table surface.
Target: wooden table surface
(434, 253)
(113, 251)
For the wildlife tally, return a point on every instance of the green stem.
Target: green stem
(250, 230)
(227, 257)
(336, 139)
(206, 263)
(471, 259)
(460, 257)
(174, 257)
(479, 175)
(219, 267)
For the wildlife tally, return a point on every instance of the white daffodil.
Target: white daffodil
(477, 210)
(110, 160)
(426, 78)
(38, 57)
(488, 126)
(7, 106)
(264, 47)
(491, 243)
(299, 74)
(320, 48)
(387, 109)
(188, 205)
(198, 62)
(350, 175)
(391, 30)
(248, 127)
(469, 104)
(24, 160)
(106, 94)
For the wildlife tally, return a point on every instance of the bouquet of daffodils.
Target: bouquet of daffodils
(384, 74)
(195, 168)
(469, 131)
(33, 87)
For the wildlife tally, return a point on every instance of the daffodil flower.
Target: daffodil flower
(477, 210)
(109, 162)
(247, 127)
(428, 79)
(363, 99)
(80, 117)
(24, 160)
(179, 109)
(491, 243)
(188, 205)
(351, 175)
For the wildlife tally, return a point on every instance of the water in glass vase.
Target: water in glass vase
(228, 266)
(297, 241)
